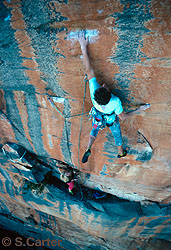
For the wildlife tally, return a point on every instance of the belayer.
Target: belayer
(69, 176)
(107, 108)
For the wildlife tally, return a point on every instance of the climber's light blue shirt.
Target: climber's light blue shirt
(114, 105)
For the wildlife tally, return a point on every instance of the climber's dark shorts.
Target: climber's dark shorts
(115, 129)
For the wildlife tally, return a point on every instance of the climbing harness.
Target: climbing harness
(97, 118)
(100, 119)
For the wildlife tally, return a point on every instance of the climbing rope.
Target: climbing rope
(85, 86)
(67, 117)
(19, 161)
(53, 104)
(65, 123)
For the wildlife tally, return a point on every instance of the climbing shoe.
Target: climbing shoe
(122, 155)
(99, 194)
(86, 155)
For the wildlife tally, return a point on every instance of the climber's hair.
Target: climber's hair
(102, 96)
(63, 177)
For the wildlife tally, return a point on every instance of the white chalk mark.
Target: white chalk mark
(100, 11)
(50, 140)
(58, 99)
(91, 34)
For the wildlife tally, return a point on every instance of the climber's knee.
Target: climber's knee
(94, 132)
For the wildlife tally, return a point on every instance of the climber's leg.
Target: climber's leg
(116, 131)
(92, 138)
(120, 149)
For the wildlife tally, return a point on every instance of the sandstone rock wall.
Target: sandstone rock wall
(35, 203)
(129, 50)
(43, 96)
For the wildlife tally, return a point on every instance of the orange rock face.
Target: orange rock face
(44, 106)
(44, 93)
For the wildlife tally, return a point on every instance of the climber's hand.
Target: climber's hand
(84, 48)
(144, 107)
(82, 39)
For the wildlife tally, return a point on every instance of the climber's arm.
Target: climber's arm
(84, 44)
(124, 115)
(89, 69)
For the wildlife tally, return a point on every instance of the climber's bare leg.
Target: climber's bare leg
(116, 131)
(91, 141)
(88, 151)
(120, 149)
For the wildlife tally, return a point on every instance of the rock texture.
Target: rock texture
(35, 203)
(44, 105)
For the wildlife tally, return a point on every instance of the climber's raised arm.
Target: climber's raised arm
(84, 44)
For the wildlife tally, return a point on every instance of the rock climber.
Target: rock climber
(69, 177)
(107, 108)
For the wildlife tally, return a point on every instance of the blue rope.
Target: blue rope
(85, 80)
(66, 117)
